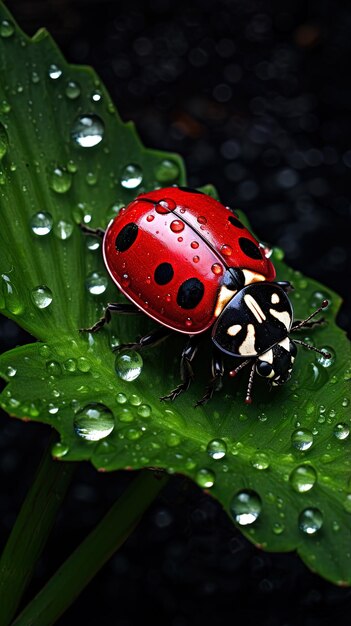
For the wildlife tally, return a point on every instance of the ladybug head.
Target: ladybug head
(276, 364)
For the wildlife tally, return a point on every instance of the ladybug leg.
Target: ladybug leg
(112, 307)
(217, 369)
(186, 370)
(98, 232)
(147, 341)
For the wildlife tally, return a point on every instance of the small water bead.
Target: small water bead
(144, 410)
(96, 96)
(133, 434)
(44, 351)
(260, 461)
(134, 399)
(53, 368)
(246, 507)
(128, 365)
(59, 449)
(121, 398)
(54, 72)
(278, 254)
(303, 478)
(11, 371)
(345, 402)
(52, 408)
(72, 167)
(173, 440)
(310, 520)
(347, 503)
(5, 106)
(83, 364)
(88, 130)
(125, 415)
(194, 245)
(167, 171)
(41, 296)
(202, 219)
(7, 29)
(205, 478)
(177, 226)
(60, 180)
(217, 269)
(11, 299)
(94, 422)
(326, 361)
(63, 230)
(72, 90)
(302, 439)
(41, 223)
(92, 243)
(91, 178)
(70, 365)
(217, 449)
(226, 250)
(315, 376)
(341, 431)
(196, 259)
(164, 206)
(96, 283)
(131, 176)
(35, 78)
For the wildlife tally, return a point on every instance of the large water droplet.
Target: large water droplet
(96, 283)
(341, 430)
(54, 72)
(216, 449)
(310, 521)
(63, 230)
(303, 478)
(59, 450)
(302, 439)
(205, 478)
(72, 90)
(131, 176)
(60, 180)
(11, 299)
(144, 410)
(7, 29)
(245, 507)
(11, 371)
(167, 171)
(260, 461)
(94, 422)
(41, 296)
(128, 365)
(88, 130)
(41, 223)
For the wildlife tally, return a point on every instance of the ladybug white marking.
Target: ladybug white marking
(223, 298)
(275, 298)
(254, 308)
(234, 330)
(248, 345)
(282, 316)
(285, 343)
(267, 356)
(252, 277)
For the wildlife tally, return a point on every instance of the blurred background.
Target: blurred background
(256, 97)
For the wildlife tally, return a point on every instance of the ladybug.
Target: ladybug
(188, 262)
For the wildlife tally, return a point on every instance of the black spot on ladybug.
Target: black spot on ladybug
(126, 237)
(249, 248)
(190, 293)
(234, 220)
(190, 190)
(163, 273)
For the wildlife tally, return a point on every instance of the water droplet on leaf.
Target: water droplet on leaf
(310, 520)
(128, 365)
(341, 430)
(60, 180)
(96, 283)
(54, 72)
(63, 230)
(167, 171)
(88, 130)
(72, 90)
(94, 422)
(41, 223)
(245, 507)
(131, 176)
(303, 478)
(216, 449)
(302, 439)
(205, 478)
(41, 296)
(7, 29)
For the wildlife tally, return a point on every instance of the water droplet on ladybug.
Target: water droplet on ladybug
(202, 219)
(125, 282)
(87, 130)
(148, 280)
(194, 245)
(196, 259)
(177, 226)
(180, 239)
(168, 297)
(182, 210)
(226, 250)
(150, 218)
(188, 322)
(167, 205)
(217, 269)
(267, 251)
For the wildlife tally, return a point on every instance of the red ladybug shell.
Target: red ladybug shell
(167, 252)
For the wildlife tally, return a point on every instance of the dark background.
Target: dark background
(256, 96)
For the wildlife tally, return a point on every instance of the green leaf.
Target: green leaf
(226, 447)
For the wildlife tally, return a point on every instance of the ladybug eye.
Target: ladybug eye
(264, 369)
(293, 348)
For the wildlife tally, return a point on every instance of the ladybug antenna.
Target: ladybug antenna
(305, 322)
(324, 353)
(240, 367)
(233, 373)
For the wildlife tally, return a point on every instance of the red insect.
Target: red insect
(180, 256)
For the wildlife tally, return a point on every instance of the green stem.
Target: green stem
(29, 534)
(76, 572)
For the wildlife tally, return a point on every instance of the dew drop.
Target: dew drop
(63, 230)
(245, 507)
(125, 415)
(96, 96)
(70, 365)
(217, 269)
(131, 176)
(94, 422)
(150, 218)
(166, 205)
(7, 29)
(60, 180)
(5, 106)
(72, 90)
(41, 296)
(59, 450)
(128, 365)
(347, 503)
(83, 364)
(91, 178)
(53, 368)
(341, 430)
(196, 259)
(303, 478)
(205, 478)
(144, 410)
(82, 213)
(310, 520)
(11, 299)
(302, 439)
(202, 220)
(11, 371)
(96, 283)
(326, 361)
(226, 250)
(88, 130)
(41, 223)
(260, 461)
(92, 243)
(216, 449)
(54, 72)
(194, 245)
(278, 528)
(177, 226)
(173, 440)
(167, 171)
(121, 398)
